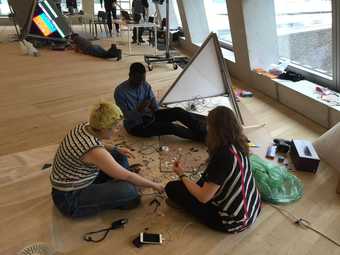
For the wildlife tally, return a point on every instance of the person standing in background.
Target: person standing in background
(138, 10)
(146, 9)
(71, 5)
(57, 3)
(110, 8)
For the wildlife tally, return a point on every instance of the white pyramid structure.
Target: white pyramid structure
(205, 76)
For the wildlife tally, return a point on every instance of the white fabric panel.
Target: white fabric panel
(203, 78)
(204, 106)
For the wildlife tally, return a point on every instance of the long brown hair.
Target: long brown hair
(224, 129)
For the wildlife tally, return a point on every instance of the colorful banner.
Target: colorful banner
(44, 24)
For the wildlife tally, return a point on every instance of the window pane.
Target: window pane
(175, 19)
(205, 16)
(174, 13)
(4, 9)
(97, 7)
(218, 20)
(304, 29)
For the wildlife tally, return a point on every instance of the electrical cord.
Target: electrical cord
(304, 224)
(89, 236)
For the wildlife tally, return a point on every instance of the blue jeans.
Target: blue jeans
(103, 194)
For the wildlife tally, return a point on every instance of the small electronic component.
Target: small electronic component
(149, 238)
(281, 159)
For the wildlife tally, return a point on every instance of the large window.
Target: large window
(218, 21)
(175, 19)
(4, 8)
(176, 15)
(205, 16)
(304, 30)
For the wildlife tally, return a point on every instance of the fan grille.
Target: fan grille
(36, 249)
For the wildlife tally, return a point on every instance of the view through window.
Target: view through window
(218, 20)
(176, 12)
(304, 30)
(4, 9)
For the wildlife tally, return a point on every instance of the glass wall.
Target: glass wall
(4, 9)
(205, 16)
(175, 19)
(218, 21)
(304, 31)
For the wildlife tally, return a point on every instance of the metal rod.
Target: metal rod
(167, 29)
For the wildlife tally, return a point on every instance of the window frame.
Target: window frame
(5, 15)
(317, 77)
(224, 44)
(336, 44)
(190, 29)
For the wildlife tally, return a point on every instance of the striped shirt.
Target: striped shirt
(237, 200)
(69, 172)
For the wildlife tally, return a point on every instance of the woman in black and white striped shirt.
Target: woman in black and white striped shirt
(226, 197)
(87, 176)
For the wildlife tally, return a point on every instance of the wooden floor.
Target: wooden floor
(43, 97)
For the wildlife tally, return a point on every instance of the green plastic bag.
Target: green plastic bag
(275, 184)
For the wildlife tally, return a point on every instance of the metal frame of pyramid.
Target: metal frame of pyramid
(223, 71)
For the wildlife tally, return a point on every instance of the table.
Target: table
(83, 20)
(144, 25)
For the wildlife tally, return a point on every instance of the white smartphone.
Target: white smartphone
(149, 238)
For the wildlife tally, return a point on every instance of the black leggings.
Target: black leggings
(111, 10)
(205, 213)
(194, 125)
(137, 17)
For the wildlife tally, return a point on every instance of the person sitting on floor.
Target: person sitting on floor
(226, 197)
(88, 177)
(142, 116)
(80, 44)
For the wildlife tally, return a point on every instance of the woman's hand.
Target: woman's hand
(126, 152)
(159, 187)
(178, 169)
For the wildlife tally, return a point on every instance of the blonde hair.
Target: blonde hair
(105, 115)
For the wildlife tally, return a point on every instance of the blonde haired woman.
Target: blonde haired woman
(88, 178)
